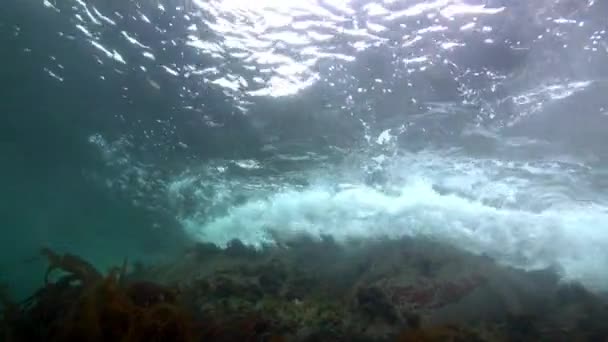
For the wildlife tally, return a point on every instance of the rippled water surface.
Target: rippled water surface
(132, 125)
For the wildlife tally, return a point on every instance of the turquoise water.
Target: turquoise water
(130, 128)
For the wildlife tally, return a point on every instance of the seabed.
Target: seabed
(305, 290)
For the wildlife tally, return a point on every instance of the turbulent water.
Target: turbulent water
(130, 126)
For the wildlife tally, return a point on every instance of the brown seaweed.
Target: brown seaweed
(279, 296)
(99, 308)
(72, 264)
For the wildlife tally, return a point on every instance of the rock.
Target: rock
(236, 248)
(522, 328)
(226, 287)
(272, 277)
(202, 250)
(569, 293)
(373, 302)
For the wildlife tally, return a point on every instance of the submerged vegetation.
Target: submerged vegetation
(304, 290)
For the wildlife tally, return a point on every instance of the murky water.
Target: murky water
(127, 123)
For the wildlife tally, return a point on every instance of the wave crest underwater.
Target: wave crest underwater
(523, 214)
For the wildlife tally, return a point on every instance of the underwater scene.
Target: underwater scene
(303, 170)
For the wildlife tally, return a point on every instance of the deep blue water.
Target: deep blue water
(132, 127)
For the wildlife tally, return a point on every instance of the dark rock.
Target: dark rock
(301, 286)
(202, 250)
(236, 248)
(225, 287)
(595, 327)
(271, 284)
(317, 335)
(522, 328)
(413, 320)
(271, 277)
(373, 302)
(146, 294)
(571, 293)
(427, 268)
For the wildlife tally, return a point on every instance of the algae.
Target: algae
(305, 290)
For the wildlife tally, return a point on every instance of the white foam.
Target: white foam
(567, 234)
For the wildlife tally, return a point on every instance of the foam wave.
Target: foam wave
(568, 234)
